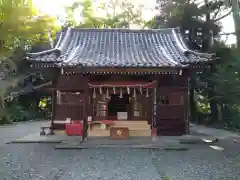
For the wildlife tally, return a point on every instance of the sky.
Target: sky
(56, 8)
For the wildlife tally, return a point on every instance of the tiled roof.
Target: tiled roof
(120, 48)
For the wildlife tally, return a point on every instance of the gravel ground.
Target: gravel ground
(200, 163)
(15, 131)
(42, 162)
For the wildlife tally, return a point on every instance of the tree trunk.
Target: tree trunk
(236, 19)
(208, 36)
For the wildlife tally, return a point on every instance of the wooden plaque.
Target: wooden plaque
(119, 133)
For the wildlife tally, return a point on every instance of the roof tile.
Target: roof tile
(120, 48)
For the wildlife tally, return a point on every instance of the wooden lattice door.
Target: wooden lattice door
(70, 105)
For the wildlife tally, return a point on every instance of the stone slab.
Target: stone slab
(157, 147)
(36, 138)
(133, 143)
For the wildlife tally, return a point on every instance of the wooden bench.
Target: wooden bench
(42, 132)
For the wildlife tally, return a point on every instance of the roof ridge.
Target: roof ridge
(122, 29)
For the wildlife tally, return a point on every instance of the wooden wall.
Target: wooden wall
(172, 100)
(172, 105)
(72, 98)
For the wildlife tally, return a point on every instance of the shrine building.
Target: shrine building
(121, 78)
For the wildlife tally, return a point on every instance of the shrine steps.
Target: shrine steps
(136, 128)
(132, 125)
(98, 133)
(132, 133)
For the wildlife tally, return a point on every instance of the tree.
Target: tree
(20, 27)
(115, 14)
(199, 24)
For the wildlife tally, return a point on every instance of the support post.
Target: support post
(51, 132)
(155, 115)
(54, 102)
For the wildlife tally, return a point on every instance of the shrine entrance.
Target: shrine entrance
(119, 106)
(122, 100)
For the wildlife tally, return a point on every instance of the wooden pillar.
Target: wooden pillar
(54, 98)
(54, 102)
(86, 110)
(155, 110)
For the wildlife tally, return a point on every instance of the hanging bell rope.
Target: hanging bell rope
(114, 90)
(107, 94)
(147, 93)
(140, 89)
(128, 90)
(121, 93)
(134, 93)
(94, 93)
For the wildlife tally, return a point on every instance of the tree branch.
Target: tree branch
(227, 34)
(216, 13)
(227, 14)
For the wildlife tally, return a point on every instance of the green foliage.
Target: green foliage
(118, 14)
(21, 26)
(4, 116)
(217, 89)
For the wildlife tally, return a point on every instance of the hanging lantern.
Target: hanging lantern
(134, 93)
(128, 90)
(114, 90)
(94, 93)
(100, 90)
(121, 93)
(140, 89)
(107, 94)
(147, 93)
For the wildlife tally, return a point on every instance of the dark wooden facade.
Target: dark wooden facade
(74, 99)
(149, 67)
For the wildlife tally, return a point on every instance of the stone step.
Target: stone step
(97, 132)
(146, 133)
(133, 133)
(131, 122)
(132, 125)
(129, 126)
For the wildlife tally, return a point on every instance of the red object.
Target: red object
(136, 84)
(154, 131)
(74, 129)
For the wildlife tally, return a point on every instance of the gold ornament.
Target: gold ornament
(119, 132)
